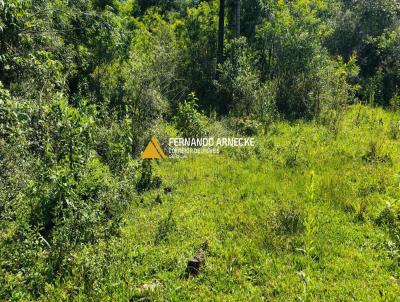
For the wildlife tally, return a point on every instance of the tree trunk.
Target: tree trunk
(237, 17)
(221, 32)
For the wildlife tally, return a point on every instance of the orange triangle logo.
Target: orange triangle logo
(153, 150)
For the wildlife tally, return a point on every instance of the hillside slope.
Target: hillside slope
(309, 214)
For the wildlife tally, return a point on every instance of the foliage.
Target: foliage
(292, 55)
(370, 29)
(147, 181)
(84, 84)
(189, 121)
(279, 233)
(62, 196)
(240, 81)
(200, 40)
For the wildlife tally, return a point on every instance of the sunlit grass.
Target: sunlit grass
(274, 233)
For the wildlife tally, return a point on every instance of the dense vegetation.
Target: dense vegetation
(311, 213)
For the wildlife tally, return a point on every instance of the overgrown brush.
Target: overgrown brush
(66, 198)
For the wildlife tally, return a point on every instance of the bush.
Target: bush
(389, 219)
(335, 92)
(395, 103)
(247, 126)
(394, 129)
(113, 143)
(241, 83)
(147, 180)
(189, 121)
(58, 194)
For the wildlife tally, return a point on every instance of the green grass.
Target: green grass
(275, 233)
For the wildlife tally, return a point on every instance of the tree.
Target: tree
(237, 18)
(200, 42)
(290, 46)
(361, 27)
(221, 33)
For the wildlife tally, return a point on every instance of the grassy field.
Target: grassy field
(309, 214)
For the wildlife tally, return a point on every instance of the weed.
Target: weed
(147, 181)
(389, 219)
(373, 155)
(361, 209)
(261, 247)
(292, 158)
(165, 227)
(310, 232)
(290, 221)
(394, 130)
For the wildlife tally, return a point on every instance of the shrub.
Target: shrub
(240, 82)
(59, 194)
(389, 219)
(189, 121)
(147, 181)
(395, 103)
(374, 89)
(249, 127)
(335, 91)
(113, 143)
(292, 157)
(394, 129)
